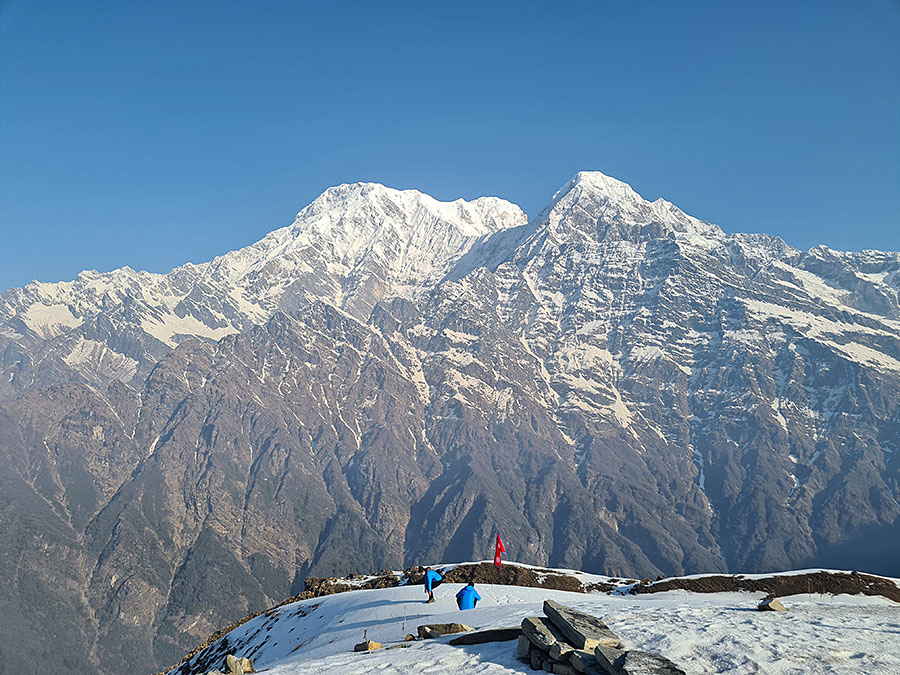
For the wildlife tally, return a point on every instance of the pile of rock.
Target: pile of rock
(568, 642)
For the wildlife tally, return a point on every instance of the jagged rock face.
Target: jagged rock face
(616, 386)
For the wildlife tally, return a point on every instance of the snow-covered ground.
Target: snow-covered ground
(702, 633)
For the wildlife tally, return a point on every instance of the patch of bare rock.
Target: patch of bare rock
(567, 641)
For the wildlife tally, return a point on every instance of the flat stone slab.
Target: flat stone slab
(584, 661)
(482, 636)
(582, 630)
(541, 632)
(560, 651)
(433, 630)
(634, 662)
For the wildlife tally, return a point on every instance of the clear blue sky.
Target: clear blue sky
(154, 133)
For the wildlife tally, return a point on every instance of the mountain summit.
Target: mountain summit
(619, 386)
(596, 206)
(353, 246)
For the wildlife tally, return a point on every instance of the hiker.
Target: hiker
(431, 580)
(468, 597)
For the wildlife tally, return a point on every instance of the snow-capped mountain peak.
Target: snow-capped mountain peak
(357, 243)
(356, 216)
(599, 182)
(352, 246)
(597, 207)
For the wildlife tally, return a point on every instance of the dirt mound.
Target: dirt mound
(479, 573)
(318, 586)
(833, 583)
(513, 575)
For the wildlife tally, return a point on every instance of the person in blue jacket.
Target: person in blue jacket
(468, 597)
(431, 580)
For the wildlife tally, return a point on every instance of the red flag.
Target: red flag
(497, 551)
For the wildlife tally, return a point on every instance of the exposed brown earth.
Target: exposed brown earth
(832, 583)
(512, 575)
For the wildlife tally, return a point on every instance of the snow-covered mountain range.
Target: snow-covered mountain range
(620, 386)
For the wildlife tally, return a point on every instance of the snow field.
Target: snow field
(702, 633)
